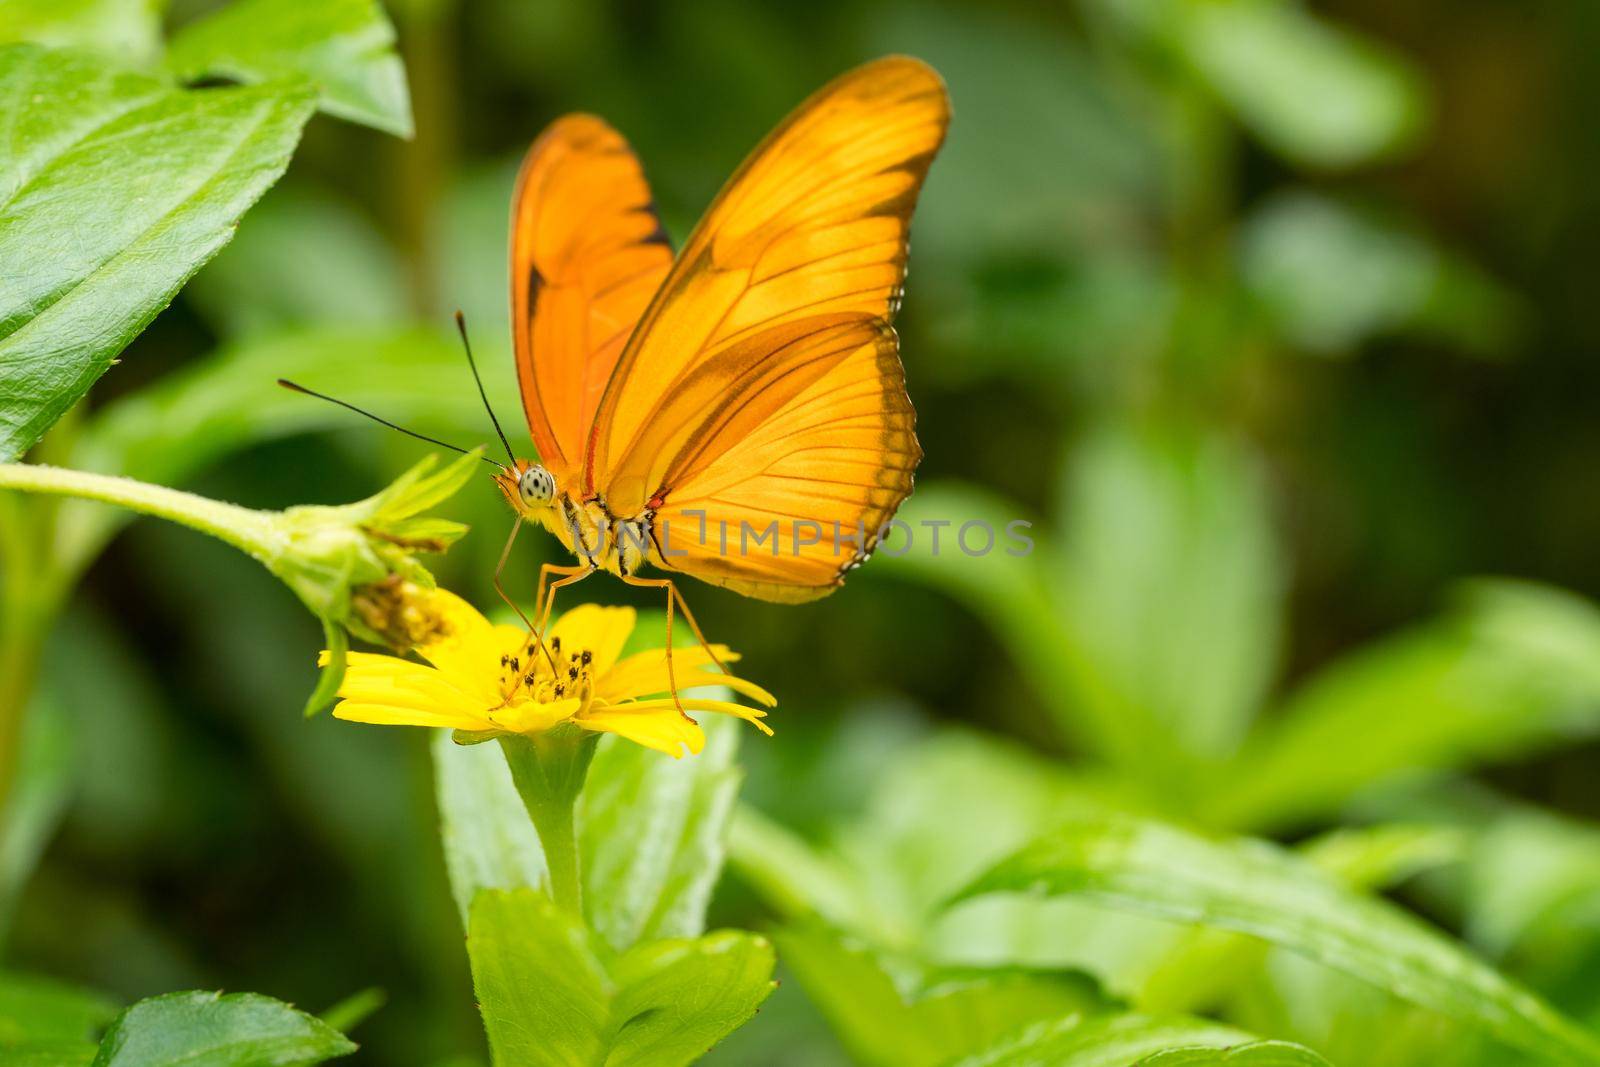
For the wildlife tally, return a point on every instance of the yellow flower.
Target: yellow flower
(485, 679)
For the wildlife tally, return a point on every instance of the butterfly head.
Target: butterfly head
(528, 487)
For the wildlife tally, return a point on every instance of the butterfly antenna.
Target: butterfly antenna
(461, 326)
(378, 419)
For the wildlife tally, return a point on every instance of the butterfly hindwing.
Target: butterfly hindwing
(808, 475)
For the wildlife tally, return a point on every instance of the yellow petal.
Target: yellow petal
(467, 651)
(603, 631)
(649, 679)
(740, 685)
(409, 683)
(721, 707)
(666, 732)
(646, 673)
(690, 657)
(531, 717)
(392, 715)
(512, 640)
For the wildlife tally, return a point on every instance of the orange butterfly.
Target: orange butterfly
(737, 413)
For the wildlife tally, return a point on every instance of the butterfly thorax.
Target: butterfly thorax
(605, 541)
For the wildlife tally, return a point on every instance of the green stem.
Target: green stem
(252, 531)
(20, 651)
(549, 770)
(26, 612)
(560, 840)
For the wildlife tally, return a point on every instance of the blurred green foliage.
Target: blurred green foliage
(1277, 323)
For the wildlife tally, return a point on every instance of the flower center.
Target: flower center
(527, 674)
(404, 614)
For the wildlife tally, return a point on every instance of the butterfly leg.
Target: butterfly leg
(675, 598)
(505, 554)
(694, 627)
(534, 637)
(672, 675)
(547, 589)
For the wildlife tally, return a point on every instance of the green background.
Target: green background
(1278, 323)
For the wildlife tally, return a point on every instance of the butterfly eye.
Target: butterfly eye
(536, 486)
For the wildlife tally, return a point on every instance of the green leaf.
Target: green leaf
(489, 841)
(336, 640)
(1254, 888)
(1330, 276)
(1153, 637)
(303, 259)
(323, 553)
(1534, 885)
(1254, 1054)
(551, 993)
(1529, 891)
(543, 992)
(1352, 1022)
(944, 1014)
(827, 771)
(355, 1009)
(1375, 857)
(127, 29)
(1173, 578)
(1010, 592)
(1102, 1041)
(1204, 967)
(1314, 92)
(952, 806)
(1514, 666)
(421, 487)
(1033, 183)
(343, 47)
(677, 998)
(652, 836)
(199, 1029)
(943, 811)
(114, 189)
(35, 1009)
(794, 879)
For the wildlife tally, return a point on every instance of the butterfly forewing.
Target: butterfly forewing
(587, 255)
(815, 222)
